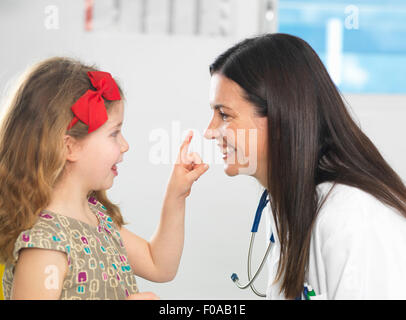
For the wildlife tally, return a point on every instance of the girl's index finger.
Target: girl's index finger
(184, 147)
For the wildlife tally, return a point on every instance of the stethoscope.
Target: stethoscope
(308, 291)
(262, 204)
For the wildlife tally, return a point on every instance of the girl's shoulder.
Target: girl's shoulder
(107, 223)
(101, 211)
(97, 205)
(48, 232)
(54, 231)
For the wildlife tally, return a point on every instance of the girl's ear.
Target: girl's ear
(72, 148)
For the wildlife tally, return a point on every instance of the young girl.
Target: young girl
(60, 236)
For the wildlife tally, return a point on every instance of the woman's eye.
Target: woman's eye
(223, 115)
(115, 133)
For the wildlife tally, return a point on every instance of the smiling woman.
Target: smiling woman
(239, 131)
(307, 144)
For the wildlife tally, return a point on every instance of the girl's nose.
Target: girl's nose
(124, 145)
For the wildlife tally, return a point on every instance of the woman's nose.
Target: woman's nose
(212, 131)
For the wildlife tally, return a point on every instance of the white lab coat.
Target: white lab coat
(357, 249)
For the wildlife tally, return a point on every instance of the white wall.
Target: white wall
(166, 80)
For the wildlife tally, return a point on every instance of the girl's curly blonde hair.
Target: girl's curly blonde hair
(32, 153)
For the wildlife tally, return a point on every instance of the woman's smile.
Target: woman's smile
(227, 150)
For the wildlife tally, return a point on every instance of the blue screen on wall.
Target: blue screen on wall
(361, 42)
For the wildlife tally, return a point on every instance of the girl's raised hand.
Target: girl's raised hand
(187, 169)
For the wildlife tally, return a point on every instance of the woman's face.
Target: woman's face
(241, 135)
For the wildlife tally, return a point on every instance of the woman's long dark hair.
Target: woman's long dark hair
(311, 139)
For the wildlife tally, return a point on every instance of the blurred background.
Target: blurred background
(159, 51)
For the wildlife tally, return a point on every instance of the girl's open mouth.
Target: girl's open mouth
(114, 169)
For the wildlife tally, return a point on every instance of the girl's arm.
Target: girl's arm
(158, 259)
(39, 274)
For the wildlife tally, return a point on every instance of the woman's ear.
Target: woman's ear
(72, 148)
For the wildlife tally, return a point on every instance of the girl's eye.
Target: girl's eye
(114, 134)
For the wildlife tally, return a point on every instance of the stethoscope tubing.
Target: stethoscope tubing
(234, 277)
(259, 269)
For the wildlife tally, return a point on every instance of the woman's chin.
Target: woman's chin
(236, 169)
(231, 170)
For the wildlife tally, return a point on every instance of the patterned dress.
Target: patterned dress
(98, 267)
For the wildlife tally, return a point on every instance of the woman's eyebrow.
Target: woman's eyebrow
(218, 106)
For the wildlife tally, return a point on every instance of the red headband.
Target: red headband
(90, 108)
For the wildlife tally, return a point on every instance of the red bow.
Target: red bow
(90, 108)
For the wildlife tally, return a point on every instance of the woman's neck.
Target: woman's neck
(262, 176)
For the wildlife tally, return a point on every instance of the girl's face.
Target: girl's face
(240, 133)
(101, 150)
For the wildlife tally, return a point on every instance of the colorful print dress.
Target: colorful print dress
(97, 259)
